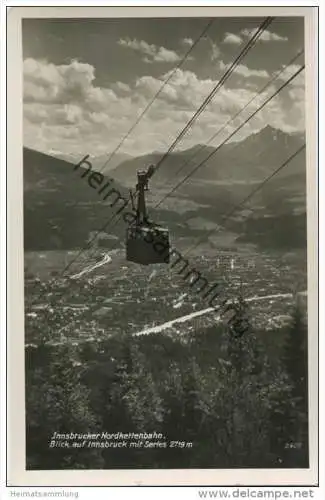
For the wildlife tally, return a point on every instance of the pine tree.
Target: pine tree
(295, 354)
(245, 384)
(56, 401)
(295, 361)
(141, 396)
(241, 344)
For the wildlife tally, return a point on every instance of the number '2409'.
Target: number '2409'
(293, 445)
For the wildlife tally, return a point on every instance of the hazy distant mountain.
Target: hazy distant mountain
(230, 174)
(246, 161)
(46, 176)
(104, 164)
(101, 163)
(61, 209)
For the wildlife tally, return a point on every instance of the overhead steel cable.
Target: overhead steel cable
(153, 99)
(217, 87)
(265, 24)
(140, 117)
(239, 205)
(208, 99)
(265, 181)
(232, 118)
(247, 198)
(196, 168)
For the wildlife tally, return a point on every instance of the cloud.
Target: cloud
(215, 51)
(65, 114)
(188, 42)
(289, 71)
(165, 55)
(233, 39)
(121, 88)
(64, 110)
(244, 71)
(185, 89)
(152, 53)
(266, 36)
(63, 84)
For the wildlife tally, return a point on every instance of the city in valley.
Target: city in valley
(188, 135)
(118, 297)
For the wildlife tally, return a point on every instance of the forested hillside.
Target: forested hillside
(237, 401)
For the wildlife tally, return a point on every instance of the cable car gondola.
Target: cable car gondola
(146, 242)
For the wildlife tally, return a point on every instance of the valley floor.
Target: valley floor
(104, 295)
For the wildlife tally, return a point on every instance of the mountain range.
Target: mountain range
(243, 161)
(101, 163)
(61, 209)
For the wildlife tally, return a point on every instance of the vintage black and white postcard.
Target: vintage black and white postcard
(162, 190)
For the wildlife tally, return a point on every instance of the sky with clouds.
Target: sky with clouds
(86, 81)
